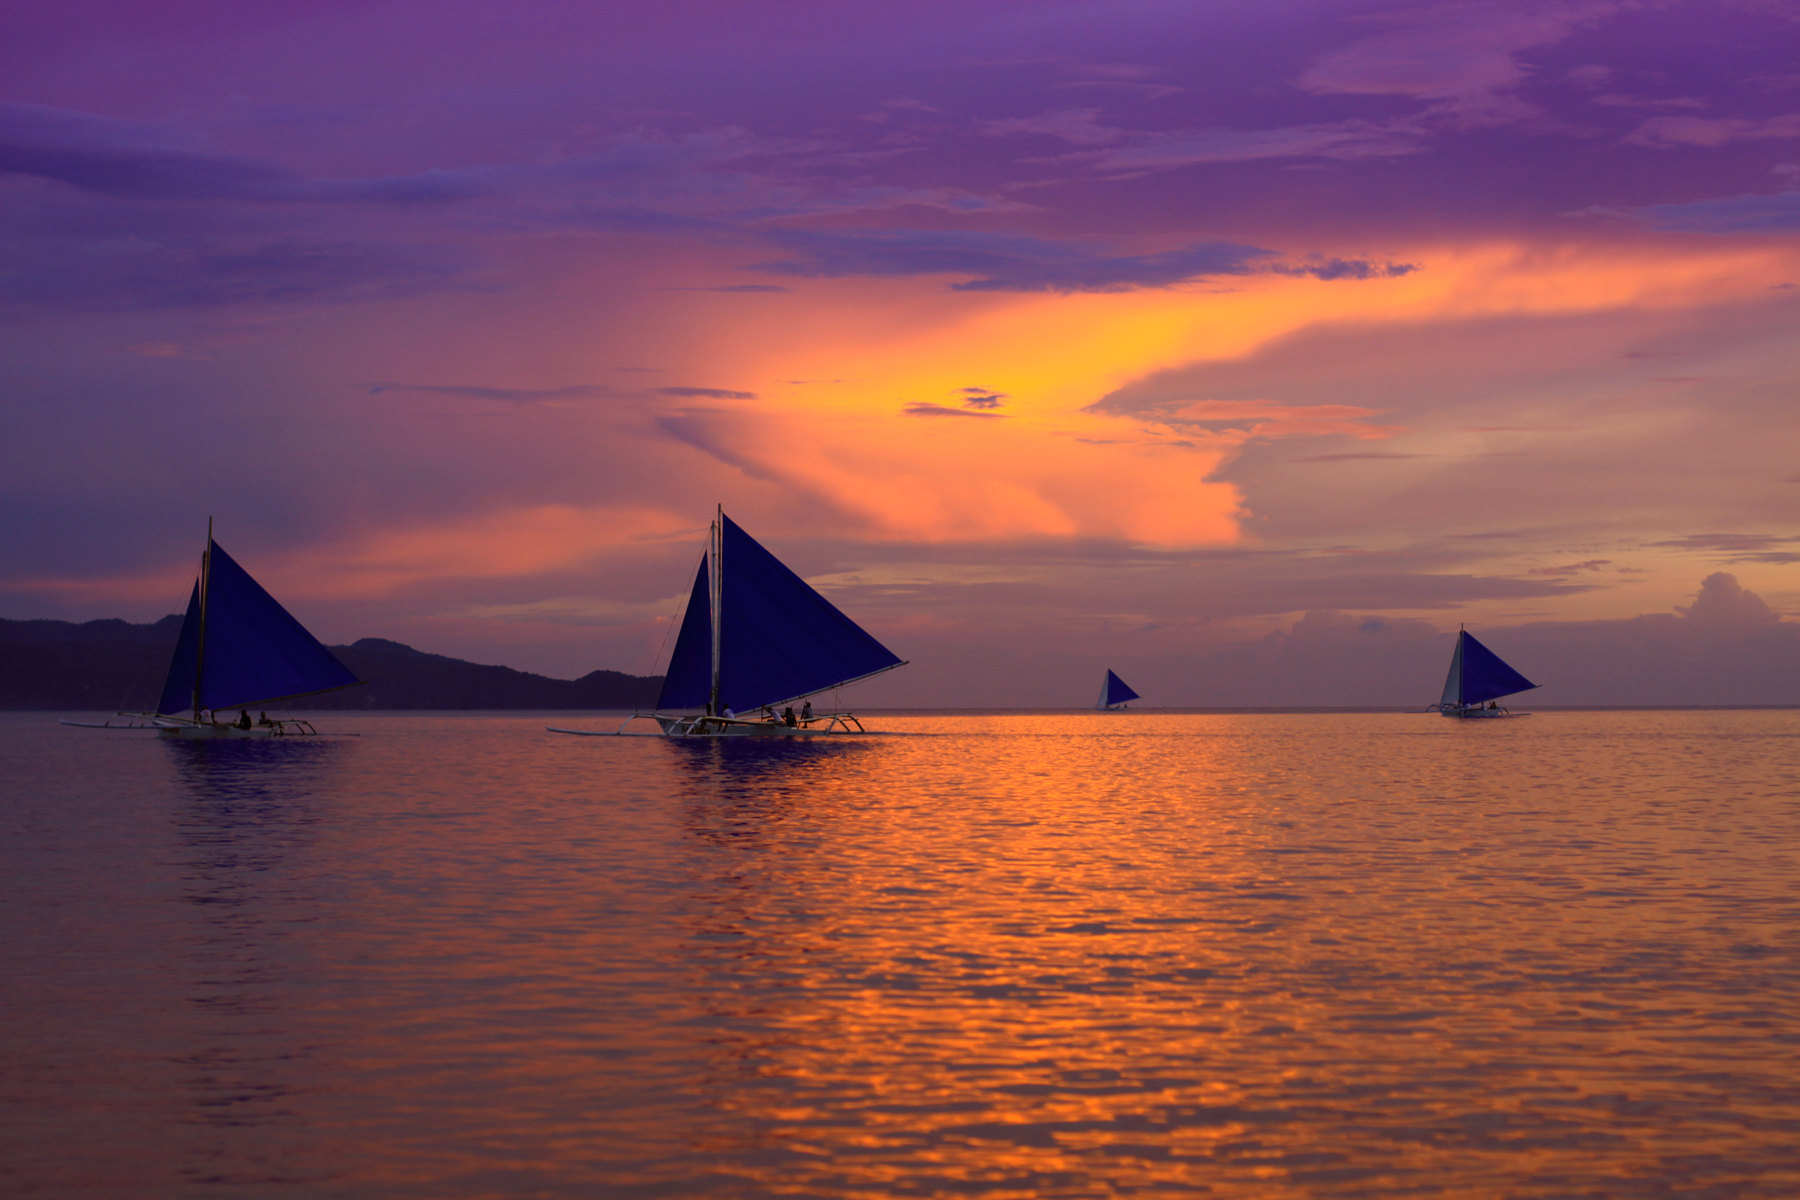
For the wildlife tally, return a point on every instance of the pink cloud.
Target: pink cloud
(1464, 56)
(1712, 132)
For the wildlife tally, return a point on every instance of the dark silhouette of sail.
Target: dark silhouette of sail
(1478, 675)
(178, 689)
(780, 639)
(689, 679)
(250, 651)
(1117, 690)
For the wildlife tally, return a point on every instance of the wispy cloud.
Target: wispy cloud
(1462, 57)
(745, 288)
(1775, 213)
(1734, 547)
(1002, 262)
(557, 395)
(1591, 564)
(1345, 268)
(133, 160)
(1690, 132)
(704, 393)
(1338, 140)
(1358, 456)
(1258, 419)
(922, 408)
(501, 395)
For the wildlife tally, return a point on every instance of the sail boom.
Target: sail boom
(324, 691)
(833, 686)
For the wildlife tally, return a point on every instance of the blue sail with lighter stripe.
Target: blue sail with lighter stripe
(178, 689)
(688, 681)
(780, 639)
(1117, 690)
(251, 650)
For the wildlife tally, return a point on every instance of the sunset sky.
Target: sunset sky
(1245, 348)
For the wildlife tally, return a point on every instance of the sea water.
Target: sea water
(1061, 955)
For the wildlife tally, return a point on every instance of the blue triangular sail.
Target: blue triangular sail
(178, 689)
(253, 651)
(688, 681)
(1117, 691)
(1453, 681)
(1483, 675)
(779, 639)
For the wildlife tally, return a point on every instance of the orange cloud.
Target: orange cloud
(1039, 464)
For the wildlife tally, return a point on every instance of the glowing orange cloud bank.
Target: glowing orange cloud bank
(872, 417)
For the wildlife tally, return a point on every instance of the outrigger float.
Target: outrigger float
(238, 649)
(756, 640)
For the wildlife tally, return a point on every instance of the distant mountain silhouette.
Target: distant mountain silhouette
(111, 666)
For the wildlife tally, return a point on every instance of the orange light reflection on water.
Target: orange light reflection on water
(1026, 955)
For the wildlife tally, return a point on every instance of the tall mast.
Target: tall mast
(718, 607)
(1462, 631)
(200, 642)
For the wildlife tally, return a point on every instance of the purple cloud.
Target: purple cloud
(1730, 547)
(922, 408)
(704, 393)
(1712, 132)
(1002, 262)
(516, 396)
(1463, 57)
(129, 160)
(1592, 564)
(190, 273)
(1347, 268)
(1343, 141)
(1777, 213)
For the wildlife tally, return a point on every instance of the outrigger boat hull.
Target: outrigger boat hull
(823, 725)
(1483, 714)
(238, 649)
(756, 638)
(1478, 677)
(213, 731)
(178, 727)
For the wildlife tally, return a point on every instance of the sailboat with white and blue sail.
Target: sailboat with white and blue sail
(1478, 679)
(1115, 693)
(756, 640)
(238, 648)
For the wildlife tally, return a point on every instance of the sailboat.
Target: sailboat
(239, 649)
(756, 639)
(1479, 677)
(1114, 693)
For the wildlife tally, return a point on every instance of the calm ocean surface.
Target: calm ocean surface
(1021, 955)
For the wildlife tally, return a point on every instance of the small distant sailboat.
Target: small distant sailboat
(756, 639)
(1115, 693)
(238, 648)
(1479, 677)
